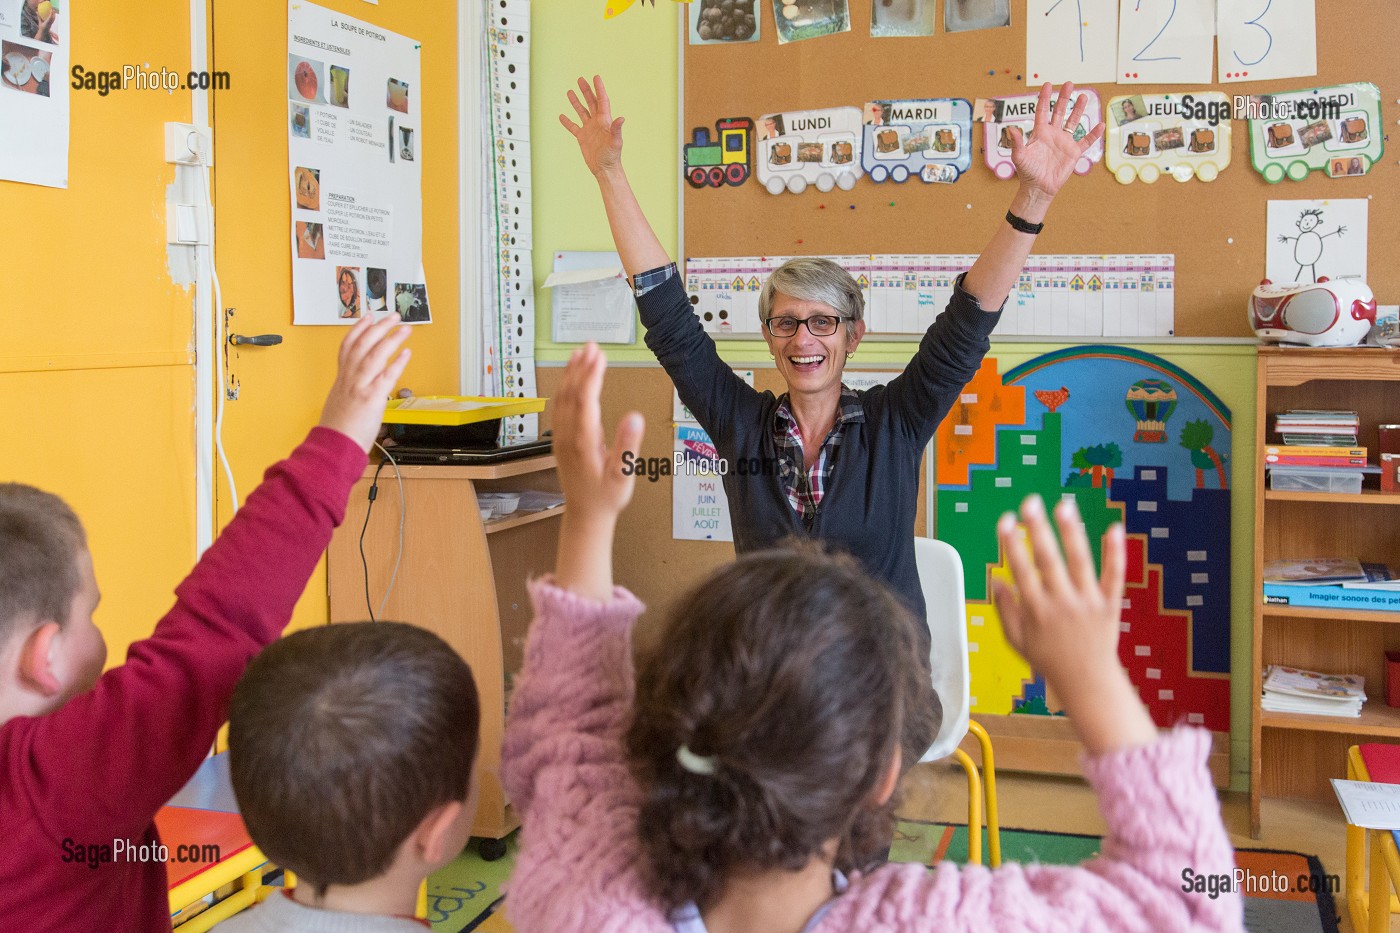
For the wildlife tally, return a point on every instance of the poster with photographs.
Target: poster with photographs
(34, 91)
(354, 106)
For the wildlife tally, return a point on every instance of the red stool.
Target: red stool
(1371, 909)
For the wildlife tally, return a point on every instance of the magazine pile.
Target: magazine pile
(1291, 690)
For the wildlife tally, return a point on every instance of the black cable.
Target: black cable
(373, 494)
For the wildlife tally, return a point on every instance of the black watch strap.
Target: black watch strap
(1025, 226)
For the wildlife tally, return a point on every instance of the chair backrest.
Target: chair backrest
(941, 577)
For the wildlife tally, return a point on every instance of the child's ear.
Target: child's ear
(435, 836)
(36, 661)
(885, 789)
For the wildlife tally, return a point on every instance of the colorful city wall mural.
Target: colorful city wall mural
(1133, 438)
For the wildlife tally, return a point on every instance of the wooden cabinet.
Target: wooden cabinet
(460, 577)
(1294, 755)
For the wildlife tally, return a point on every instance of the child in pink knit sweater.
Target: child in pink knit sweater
(743, 783)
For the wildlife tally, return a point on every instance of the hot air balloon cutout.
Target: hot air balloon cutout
(1151, 402)
(1134, 439)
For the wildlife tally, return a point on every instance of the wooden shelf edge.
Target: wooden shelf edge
(1365, 497)
(515, 521)
(1341, 615)
(1376, 719)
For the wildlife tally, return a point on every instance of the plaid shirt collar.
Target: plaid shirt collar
(805, 488)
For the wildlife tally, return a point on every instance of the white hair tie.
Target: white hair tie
(695, 764)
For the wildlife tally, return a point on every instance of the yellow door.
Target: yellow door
(281, 388)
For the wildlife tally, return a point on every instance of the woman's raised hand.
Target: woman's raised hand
(599, 135)
(1045, 161)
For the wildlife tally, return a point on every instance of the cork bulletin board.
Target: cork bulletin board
(1216, 230)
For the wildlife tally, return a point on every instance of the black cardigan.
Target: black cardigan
(868, 506)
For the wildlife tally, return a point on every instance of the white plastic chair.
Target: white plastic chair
(941, 577)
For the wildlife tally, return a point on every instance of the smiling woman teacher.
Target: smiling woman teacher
(834, 464)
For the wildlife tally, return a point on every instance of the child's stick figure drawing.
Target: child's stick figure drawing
(1307, 246)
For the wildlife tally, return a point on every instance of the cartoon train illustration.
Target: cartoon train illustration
(723, 161)
(1203, 140)
(1353, 129)
(809, 147)
(908, 138)
(1280, 135)
(1345, 117)
(1139, 144)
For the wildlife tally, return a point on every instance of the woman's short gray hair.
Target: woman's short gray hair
(811, 278)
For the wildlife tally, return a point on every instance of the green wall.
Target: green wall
(636, 53)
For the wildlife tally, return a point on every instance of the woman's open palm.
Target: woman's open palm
(1046, 160)
(599, 135)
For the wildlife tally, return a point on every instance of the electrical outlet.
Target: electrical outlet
(187, 144)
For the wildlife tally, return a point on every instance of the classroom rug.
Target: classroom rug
(1265, 911)
(465, 896)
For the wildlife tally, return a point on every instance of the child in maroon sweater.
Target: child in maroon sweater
(87, 760)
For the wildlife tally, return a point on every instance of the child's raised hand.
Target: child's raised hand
(599, 135)
(366, 375)
(595, 488)
(590, 472)
(1061, 619)
(1065, 623)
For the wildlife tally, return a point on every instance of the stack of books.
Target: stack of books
(1319, 452)
(1291, 690)
(1331, 583)
(1316, 428)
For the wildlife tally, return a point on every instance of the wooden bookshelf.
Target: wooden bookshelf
(1295, 755)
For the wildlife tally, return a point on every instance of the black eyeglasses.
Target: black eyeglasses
(818, 325)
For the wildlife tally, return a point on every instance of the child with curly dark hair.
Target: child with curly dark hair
(744, 782)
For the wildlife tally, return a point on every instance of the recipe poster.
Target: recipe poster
(34, 91)
(354, 106)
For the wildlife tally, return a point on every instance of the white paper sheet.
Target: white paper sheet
(1309, 239)
(355, 99)
(1071, 40)
(34, 85)
(699, 506)
(1165, 41)
(1368, 804)
(858, 381)
(591, 299)
(1260, 40)
(1055, 296)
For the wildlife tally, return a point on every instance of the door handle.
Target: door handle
(262, 340)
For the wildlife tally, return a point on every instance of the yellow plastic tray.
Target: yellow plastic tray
(491, 408)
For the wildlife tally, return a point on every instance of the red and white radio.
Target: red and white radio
(1324, 313)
